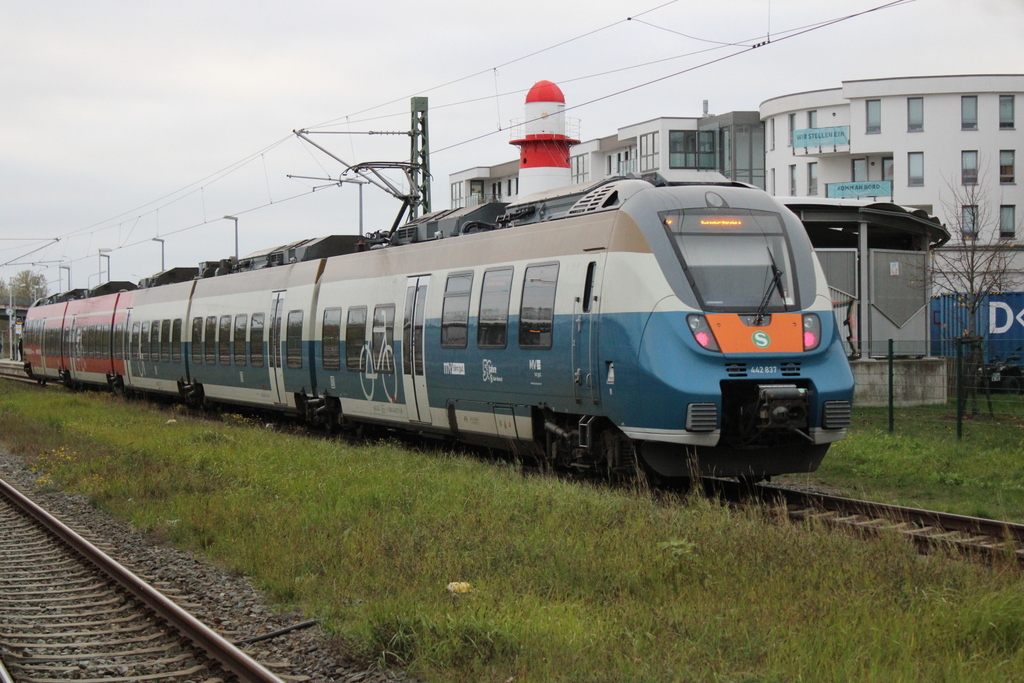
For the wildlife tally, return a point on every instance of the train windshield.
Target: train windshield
(735, 259)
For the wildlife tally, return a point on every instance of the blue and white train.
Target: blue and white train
(688, 326)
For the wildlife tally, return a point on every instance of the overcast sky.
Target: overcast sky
(124, 121)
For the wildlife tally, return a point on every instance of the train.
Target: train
(682, 328)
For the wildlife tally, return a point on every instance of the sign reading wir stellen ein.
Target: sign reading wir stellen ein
(821, 137)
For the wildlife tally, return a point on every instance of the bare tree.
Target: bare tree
(976, 262)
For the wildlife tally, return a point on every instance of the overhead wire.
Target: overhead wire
(227, 170)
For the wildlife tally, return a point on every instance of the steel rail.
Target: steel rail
(944, 520)
(230, 658)
(925, 527)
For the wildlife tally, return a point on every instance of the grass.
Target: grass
(923, 464)
(569, 582)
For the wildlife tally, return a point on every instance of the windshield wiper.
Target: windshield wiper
(776, 283)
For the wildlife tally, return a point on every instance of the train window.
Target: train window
(154, 341)
(165, 341)
(537, 310)
(492, 321)
(224, 340)
(119, 341)
(256, 340)
(330, 348)
(136, 342)
(176, 351)
(588, 286)
(384, 339)
(144, 346)
(241, 322)
(734, 259)
(455, 311)
(355, 337)
(210, 340)
(293, 342)
(197, 340)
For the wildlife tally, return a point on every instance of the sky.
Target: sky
(123, 121)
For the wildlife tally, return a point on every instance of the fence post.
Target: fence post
(959, 388)
(892, 426)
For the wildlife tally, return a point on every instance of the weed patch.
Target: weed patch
(566, 582)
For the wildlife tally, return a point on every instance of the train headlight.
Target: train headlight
(702, 331)
(812, 331)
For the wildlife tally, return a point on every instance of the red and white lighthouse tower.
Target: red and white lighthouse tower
(544, 147)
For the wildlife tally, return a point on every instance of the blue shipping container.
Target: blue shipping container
(999, 321)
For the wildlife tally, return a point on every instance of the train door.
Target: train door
(129, 366)
(585, 318)
(413, 367)
(74, 351)
(274, 344)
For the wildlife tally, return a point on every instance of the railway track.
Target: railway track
(927, 528)
(69, 612)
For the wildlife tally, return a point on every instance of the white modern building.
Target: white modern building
(674, 148)
(944, 144)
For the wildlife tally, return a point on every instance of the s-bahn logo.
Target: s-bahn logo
(761, 339)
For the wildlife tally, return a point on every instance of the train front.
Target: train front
(741, 370)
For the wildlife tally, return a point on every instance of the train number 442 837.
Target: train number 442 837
(764, 370)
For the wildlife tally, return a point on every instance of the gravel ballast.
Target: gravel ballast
(227, 603)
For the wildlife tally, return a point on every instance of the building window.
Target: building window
(969, 112)
(773, 181)
(812, 178)
(887, 168)
(792, 180)
(915, 114)
(648, 152)
(915, 169)
(874, 116)
(1008, 221)
(476, 192)
(792, 127)
(457, 195)
(859, 170)
(812, 118)
(691, 149)
(771, 127)
(1006, 174)
(969, 167)
(969, 220)
(495, 191)
(1005, 112)
(580, 168)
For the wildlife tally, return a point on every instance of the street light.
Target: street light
(360, 182)
(161, 241)
(103, 254)
(232, 218)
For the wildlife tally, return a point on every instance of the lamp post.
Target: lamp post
(232, 218)
(360, 182)
(161, 241)
(103, 254)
